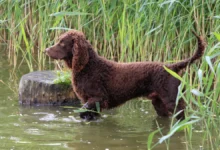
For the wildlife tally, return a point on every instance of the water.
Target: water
(126, 127)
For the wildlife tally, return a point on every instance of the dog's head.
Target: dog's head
(71, 47)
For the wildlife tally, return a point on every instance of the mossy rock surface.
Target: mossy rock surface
(38, 88)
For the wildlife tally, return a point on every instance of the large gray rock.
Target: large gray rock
(37, 88)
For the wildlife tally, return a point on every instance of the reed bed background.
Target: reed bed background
(131, 30)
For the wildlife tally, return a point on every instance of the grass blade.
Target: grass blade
(208, 60)
(217, 35)
(67, 14)
(176, 128)
(174, 74)
(150, 139)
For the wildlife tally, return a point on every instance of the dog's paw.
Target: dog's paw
(89, 116)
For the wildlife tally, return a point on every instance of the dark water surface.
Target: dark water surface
(124, 128)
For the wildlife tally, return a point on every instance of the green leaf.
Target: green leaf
(217, 35)
(177, 127)
(150, 139)
(3, 21)
(200, 76)
(97, 106)
(68, 107)
(60, 28)
(80, 110)
(218, 71)
(56, 81)
(216, 17)
(208, 60)
(216, 54)
(174, 74)
(154, 29)
(197, 92)
(68, 14)
(62, 78)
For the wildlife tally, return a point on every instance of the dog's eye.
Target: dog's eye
(61, 44)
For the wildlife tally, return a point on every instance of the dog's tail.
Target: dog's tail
(199, 52)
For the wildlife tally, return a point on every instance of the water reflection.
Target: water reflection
(121, 129)
(58, 127)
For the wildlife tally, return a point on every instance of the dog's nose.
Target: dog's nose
(46, 50)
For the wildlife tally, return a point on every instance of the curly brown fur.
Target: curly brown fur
(96, 79)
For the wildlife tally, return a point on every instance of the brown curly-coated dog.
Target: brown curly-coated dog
(96, 79)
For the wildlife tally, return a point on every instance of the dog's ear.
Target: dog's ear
(80, 53)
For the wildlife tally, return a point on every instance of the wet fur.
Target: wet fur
(96, 79)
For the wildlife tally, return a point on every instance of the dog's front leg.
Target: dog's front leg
(92, 113)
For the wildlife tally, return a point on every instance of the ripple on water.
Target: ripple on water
(49, 117)
(34, 131)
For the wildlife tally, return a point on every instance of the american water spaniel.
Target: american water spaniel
(97, 79)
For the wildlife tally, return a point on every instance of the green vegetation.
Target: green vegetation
(63, 77)
(129, 30)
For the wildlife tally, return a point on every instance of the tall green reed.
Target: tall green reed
(121, 30)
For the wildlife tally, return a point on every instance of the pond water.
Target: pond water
(126, 127)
